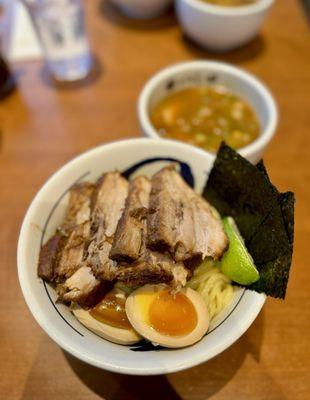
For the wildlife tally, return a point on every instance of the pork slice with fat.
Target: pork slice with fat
(78, 210)
(83, 288)
(138, 264)
(72, 253)
(210, 238)
(127, 241)
(153, 267)
(48, 257)
(170, 219)
(108, 202)
(97, 268)
(107, 206)
(67, 241)
(182, 222)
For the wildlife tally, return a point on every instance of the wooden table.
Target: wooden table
(43, 127)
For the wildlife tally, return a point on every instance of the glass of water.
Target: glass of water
(60, 27)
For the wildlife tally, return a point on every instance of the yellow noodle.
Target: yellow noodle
(215, 288)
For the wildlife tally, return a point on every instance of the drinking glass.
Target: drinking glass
(7, 82)
(60, 26)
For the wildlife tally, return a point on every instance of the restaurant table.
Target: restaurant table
(44, 125)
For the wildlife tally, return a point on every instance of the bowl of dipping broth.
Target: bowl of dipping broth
(203, 103)
(221, 25)
(142, 9)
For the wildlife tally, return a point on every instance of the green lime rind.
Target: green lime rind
(237, 263)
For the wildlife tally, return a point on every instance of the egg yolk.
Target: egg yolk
(111, 311)
(172, 315)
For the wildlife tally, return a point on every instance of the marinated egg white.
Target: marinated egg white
(108, 319)
(165, 318)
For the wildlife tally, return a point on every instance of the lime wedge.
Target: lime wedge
(237, 263)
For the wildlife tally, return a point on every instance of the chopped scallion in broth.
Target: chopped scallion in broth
(230, 3)
(205, 116)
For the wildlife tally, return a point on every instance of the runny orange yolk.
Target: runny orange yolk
(111, 311)
(172, 315)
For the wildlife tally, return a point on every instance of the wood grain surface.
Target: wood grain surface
(43, 126)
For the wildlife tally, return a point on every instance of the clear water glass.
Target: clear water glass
(60, 26)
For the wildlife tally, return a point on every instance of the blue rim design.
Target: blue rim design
(185, 169)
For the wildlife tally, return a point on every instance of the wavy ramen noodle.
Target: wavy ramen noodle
(215, 288)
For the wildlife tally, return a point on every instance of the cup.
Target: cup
(60, 26)
(7, 82)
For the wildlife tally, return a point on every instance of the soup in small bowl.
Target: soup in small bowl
(203, 103)
(230, 3)
(205, 116)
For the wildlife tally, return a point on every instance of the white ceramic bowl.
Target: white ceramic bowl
(142, 9)
(198, 73)
(45, 214)
(221, 28)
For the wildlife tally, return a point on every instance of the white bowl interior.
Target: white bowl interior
(45, 214)
(229, 11)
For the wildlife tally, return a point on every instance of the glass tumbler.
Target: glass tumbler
(7, 82)
(60, 26)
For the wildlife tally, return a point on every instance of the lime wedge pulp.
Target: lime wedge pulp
(237, 263)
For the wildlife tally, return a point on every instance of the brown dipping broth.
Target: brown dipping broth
(205, 116)
(230, 3)
(111, 311)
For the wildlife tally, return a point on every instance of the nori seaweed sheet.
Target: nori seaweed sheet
(287, 207)
(270, 239)
(262, 168)
(264, 216)
(287, 202)
(274, 276)
(238, 189)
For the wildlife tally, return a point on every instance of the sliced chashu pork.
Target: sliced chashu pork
(177, 224)
(83, 288)
(77, 230)
(96, 269)
(153, 267)
(73, 251)
(49, 255)
(79, 205)
(170, 218)
(137, 264)
(181, 222)
(128, 237)
(107, 207)
(62, 253)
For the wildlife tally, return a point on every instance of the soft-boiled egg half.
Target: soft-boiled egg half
(166, 318)
(108, 319)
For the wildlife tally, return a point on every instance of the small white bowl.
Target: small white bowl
(143, 156)
(142, 9)
(199, 73)
(221, 28)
